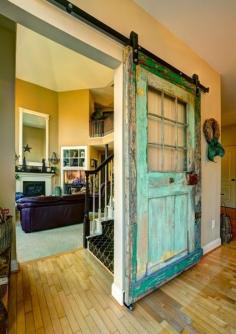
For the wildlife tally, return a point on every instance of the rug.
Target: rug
(31, 246)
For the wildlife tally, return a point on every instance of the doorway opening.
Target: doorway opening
(64, 127)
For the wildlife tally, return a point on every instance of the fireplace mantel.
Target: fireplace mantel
(25, 176)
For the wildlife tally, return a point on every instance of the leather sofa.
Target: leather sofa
(46, 212)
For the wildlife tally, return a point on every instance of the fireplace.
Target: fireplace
(33, 188)
(35, 178)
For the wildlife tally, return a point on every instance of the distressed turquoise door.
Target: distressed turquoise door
(163, 225)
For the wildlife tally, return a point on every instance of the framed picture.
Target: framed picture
(93, 163)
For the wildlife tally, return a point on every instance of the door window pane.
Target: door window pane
(167, 147)
(181, 161)
(169, 107)
(154, 130)
(154, 101)
(169, 159)
(154, 158)
(181, 112)
(181, 136)
(169, 133)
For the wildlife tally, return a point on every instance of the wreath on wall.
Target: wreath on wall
(211, 131)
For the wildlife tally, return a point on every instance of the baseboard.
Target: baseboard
(211, 246)
(14, 266)
(117, 293)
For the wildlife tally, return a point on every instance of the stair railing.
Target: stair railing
(101, 127)
(98, 198)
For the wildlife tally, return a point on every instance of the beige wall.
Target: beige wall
(43, 100)
(69, 115)
(228, 135)
(36, 139)
(73, 111)
(7, 117)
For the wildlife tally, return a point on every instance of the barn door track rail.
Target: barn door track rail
(118, 37)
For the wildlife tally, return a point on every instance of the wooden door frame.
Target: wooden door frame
(130, 170)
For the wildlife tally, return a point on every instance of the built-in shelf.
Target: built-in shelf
(74, 161)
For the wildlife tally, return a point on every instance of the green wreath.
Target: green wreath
(211, 131)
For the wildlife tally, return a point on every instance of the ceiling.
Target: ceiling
(53, 66)
(104, 96)
(208, 27)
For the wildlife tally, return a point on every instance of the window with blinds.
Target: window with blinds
(167, 124)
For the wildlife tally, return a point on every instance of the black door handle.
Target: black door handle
(233, 179)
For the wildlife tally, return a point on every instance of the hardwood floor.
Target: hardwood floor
(70, 293)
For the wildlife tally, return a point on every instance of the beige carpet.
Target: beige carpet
(35, 245)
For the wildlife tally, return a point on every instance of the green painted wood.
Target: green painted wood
(162, 232)
(158, 69)
(142, 181)
(150, 283)
(180, 243)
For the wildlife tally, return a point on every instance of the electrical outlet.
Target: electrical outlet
(213, 224)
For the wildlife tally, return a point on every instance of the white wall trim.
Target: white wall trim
(36, 113)
(14, 266)
(117, 293)
(119, 261)
(211, 246)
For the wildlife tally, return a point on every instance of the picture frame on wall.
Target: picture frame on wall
(93, 163)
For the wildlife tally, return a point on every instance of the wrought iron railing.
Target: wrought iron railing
(99, 204)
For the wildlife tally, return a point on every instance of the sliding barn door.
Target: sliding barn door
(162, 183)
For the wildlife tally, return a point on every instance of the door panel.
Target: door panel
(167, 229)
(160, 224)
(181, 226)
(164, 235)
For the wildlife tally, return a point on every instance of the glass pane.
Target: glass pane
(169, 107)
(66, 162)
(181, 107)
(154, 102)
(81, 162)
(74, 162)
(166, 133)
(66, 153)
(154, 131)
(181, 136)
(169, 159)
(74, 153)
(81, 153)
(169, 134)
(155, 158)
(181, 155)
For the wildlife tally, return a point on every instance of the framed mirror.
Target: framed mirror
(33, 137)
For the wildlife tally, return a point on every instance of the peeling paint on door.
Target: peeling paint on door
(162, 138)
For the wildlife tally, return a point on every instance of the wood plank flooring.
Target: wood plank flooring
(70, 293)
